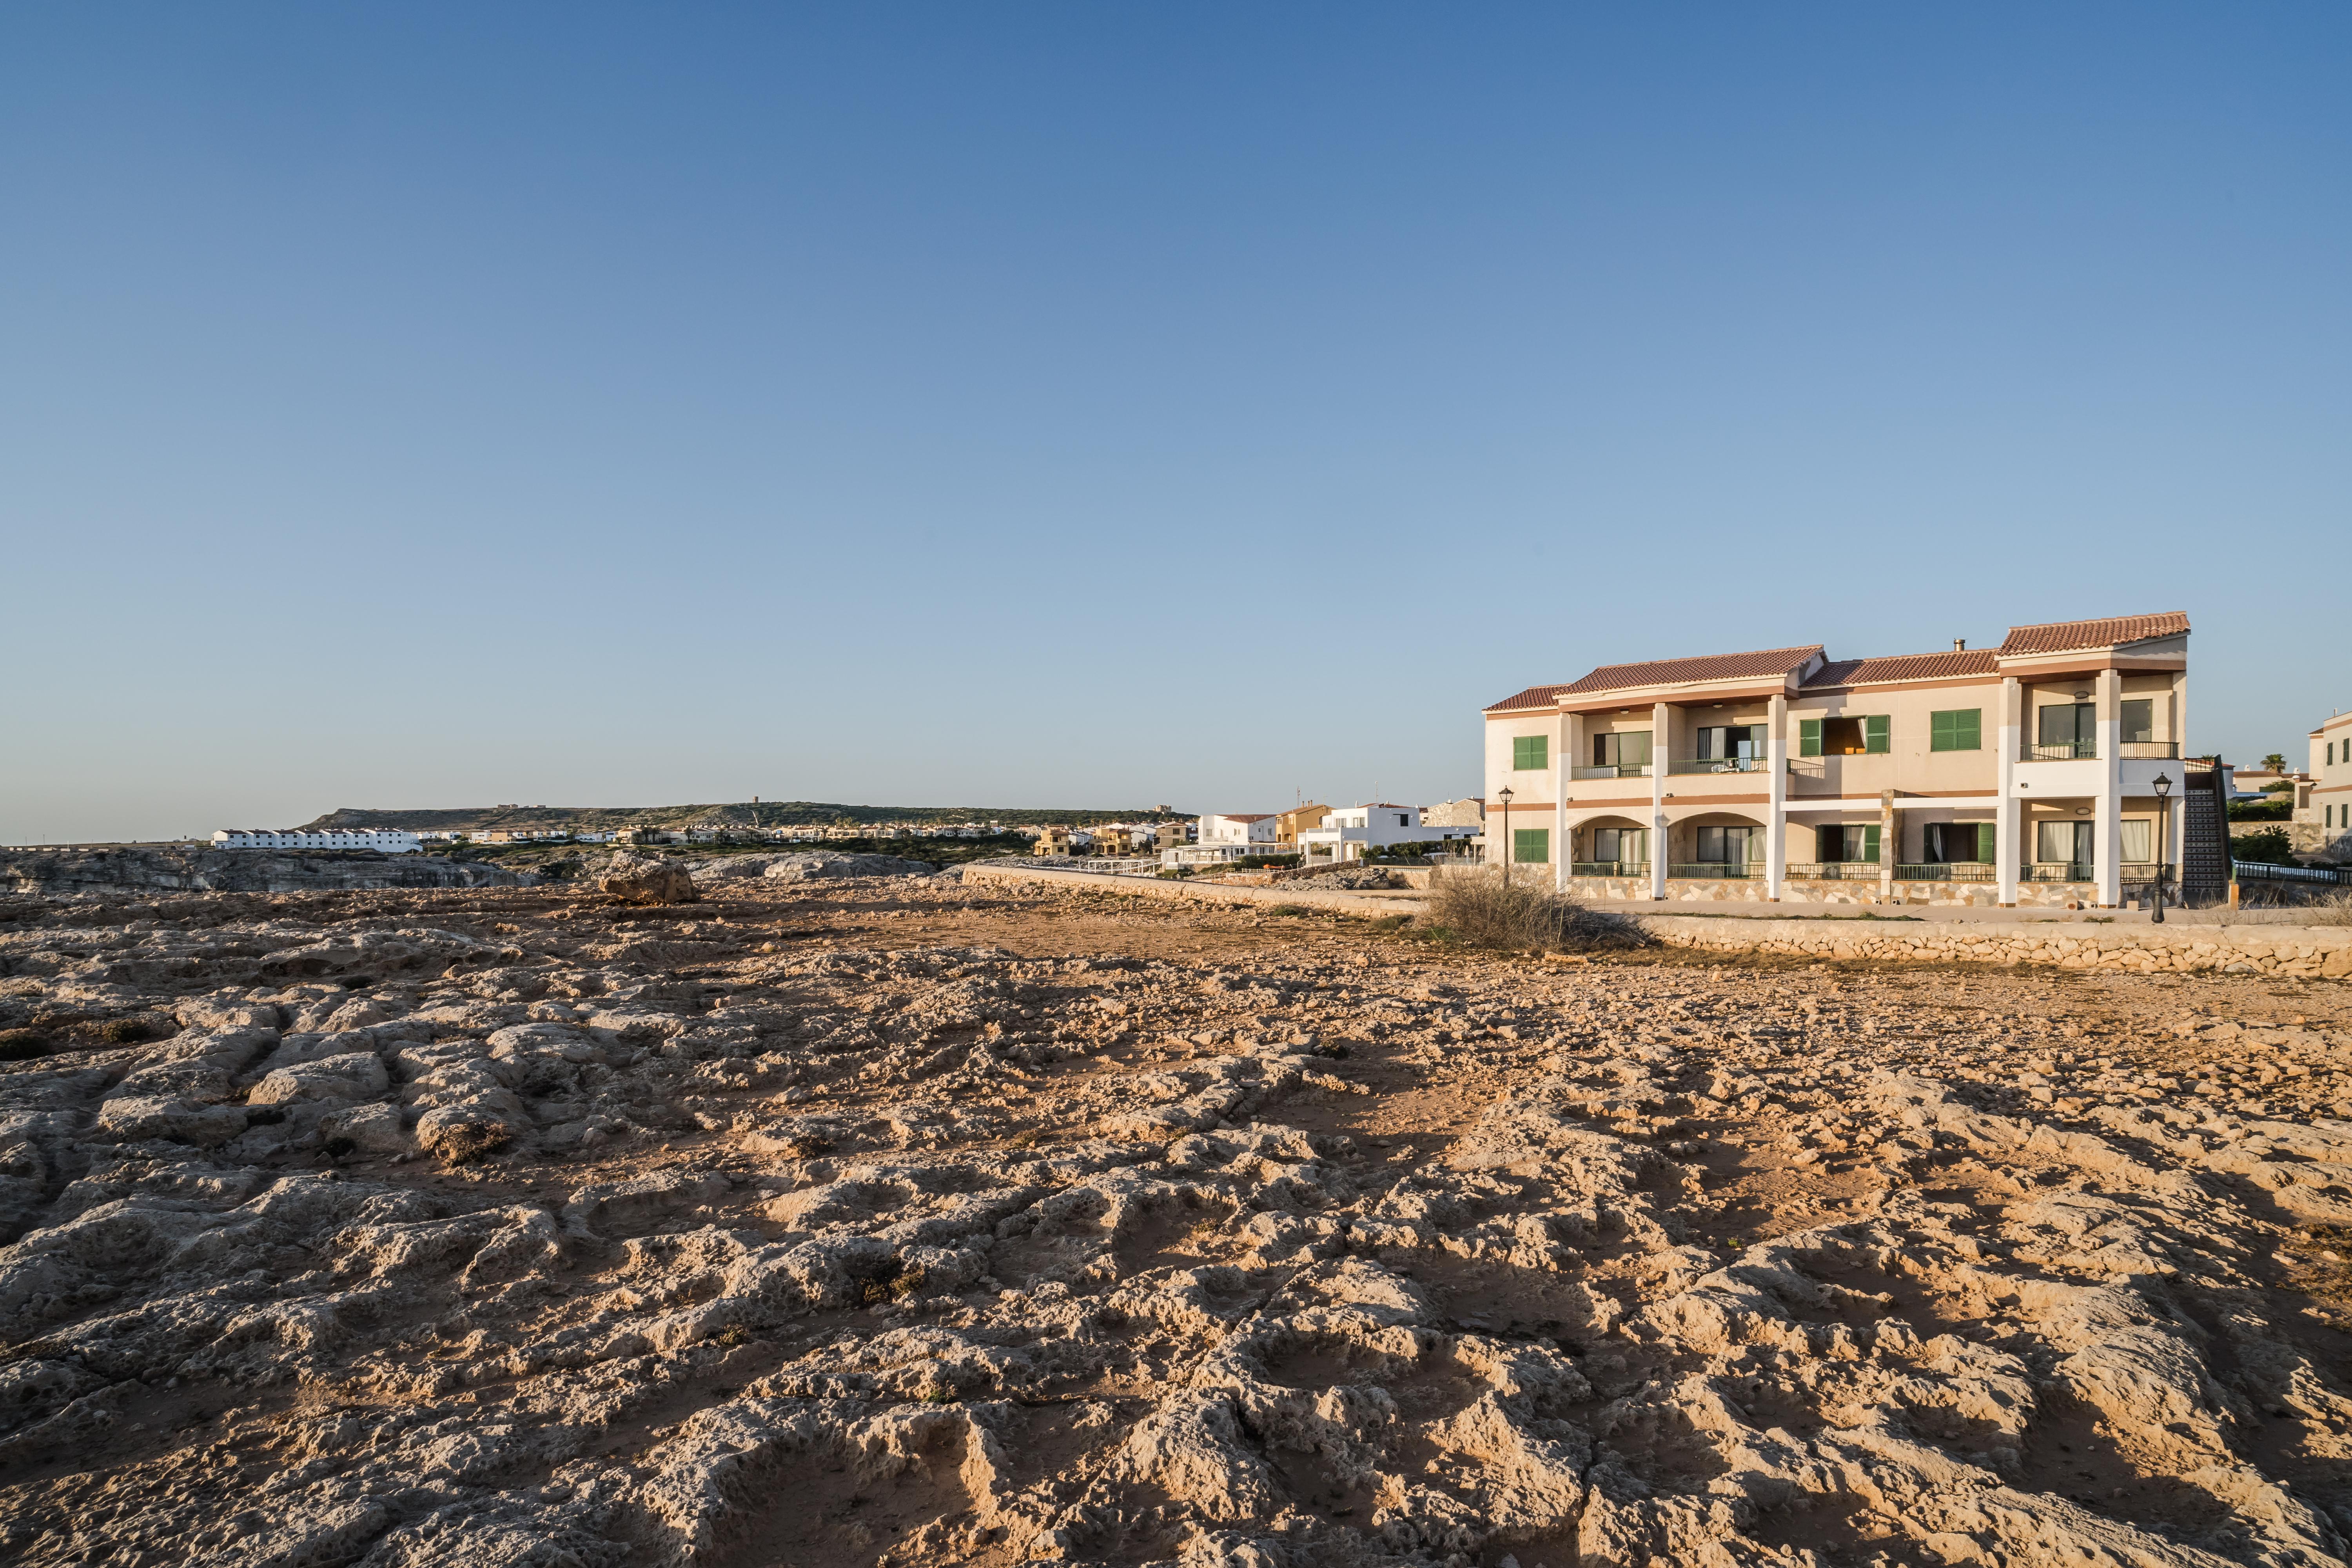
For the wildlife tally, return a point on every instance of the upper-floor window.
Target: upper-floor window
(2139, 718)
(2068, 724)
(1956, 730)
(1724, 741)
(1853, 737)
(1622, 749)
(1530, 751)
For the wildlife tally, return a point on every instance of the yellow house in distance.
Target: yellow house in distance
(1287, 824)
(2026, 772)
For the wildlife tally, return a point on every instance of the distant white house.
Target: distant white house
(385, 841)
(1349, 830)
(1238, 827)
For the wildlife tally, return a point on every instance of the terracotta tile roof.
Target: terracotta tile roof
(1769, 662)
(2065, 637)
(1905, 666)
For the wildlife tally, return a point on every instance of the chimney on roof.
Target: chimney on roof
(1959, 644)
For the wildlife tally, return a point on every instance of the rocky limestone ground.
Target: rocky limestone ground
(888, 1221)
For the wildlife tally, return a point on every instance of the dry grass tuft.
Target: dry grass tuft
(2332, 909)
(1484, 909)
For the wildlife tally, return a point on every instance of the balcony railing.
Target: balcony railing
(1944, 872)
(1718, 765)
(1613, 771)
(2147, 750)
(1836, 871)
(2055, 872)
(1717, 870)
(2059, 752)
(1609, 869)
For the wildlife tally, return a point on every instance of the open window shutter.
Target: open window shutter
(1967, 730)
(1873, 732)
(1870, 842)
(1985, 841)
(1809, 737)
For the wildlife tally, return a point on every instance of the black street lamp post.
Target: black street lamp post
(1504, 794)
(2163, 840)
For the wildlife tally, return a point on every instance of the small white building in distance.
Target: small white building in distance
(384, 841)
(1237, 828)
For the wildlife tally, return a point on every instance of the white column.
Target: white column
(1560, 757)
(1661, 746)
(2007, 850)
(1776, 824)
(2109, 814)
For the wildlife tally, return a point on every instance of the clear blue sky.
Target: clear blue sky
(1104, 405)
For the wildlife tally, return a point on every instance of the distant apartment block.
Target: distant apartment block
(1238, 827)
(2022, 773)
(385, 841)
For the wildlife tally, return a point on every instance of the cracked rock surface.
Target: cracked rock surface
(883, 1220)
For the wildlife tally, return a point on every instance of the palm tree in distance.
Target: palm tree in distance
(2275, 763)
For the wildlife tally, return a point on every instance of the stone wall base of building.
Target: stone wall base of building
(1750, 890)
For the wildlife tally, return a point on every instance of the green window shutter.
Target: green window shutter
(1532, 845)
(1529, 752)
(1870, 842)
(1809, 737)
(1986, 834)
(1873, 732)
(1956, 730)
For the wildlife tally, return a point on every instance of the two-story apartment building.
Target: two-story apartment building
(1237, 828)
(1347, 831)
(2030, 770)
(2329, 803)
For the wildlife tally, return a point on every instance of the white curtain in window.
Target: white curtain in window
(2139, 838)
(2054, 841)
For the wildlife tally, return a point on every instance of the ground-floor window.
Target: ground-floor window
(1949, 842)
(2062, 841)
(1530, 846)
(1837, 842)
(1621, 845)
(2139, 841)
(1726, 846)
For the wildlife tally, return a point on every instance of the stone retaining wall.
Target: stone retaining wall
(2248, 949)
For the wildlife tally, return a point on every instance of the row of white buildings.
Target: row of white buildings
(384, 841)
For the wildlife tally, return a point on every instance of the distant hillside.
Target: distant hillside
(766, 814)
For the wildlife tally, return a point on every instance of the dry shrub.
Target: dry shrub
(2331, 909)
(1486, 909)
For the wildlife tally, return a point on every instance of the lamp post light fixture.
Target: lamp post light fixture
(1504, 794)
(2163, 787)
